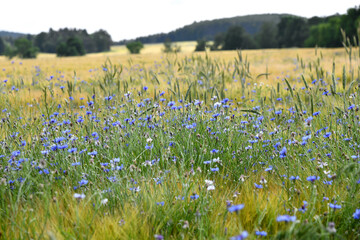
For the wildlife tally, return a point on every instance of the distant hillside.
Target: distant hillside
(208, 29)
(6, 34)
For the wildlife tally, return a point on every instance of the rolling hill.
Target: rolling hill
(208, 29)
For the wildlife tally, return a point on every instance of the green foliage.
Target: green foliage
(350, 22)
(267, 36)
(292, 31)
(23, 48)
(170, 47)
(2, 46)
(325, 34)
(134, 47)
(10, 52)
(49, 42)
(237, 38)
(218, 41)
(207, 30)
(201, 45)
(72, 47)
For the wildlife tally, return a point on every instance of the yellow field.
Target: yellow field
(278, 62)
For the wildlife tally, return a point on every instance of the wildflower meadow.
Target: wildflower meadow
(182, 147)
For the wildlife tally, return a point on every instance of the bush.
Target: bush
(201, 45)
(72, 47)
(169, 47)
(134, 47)
(23, 48)
(10, 52)
(2, 46)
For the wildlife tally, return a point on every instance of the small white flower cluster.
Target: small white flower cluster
(210, 185)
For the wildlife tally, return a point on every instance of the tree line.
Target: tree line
(291, 31)
(64, 42)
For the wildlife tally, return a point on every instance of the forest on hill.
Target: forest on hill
(265, 31)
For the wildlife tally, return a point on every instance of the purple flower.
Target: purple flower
(158, 237)
(83, 182)
(194, 196)
(214, 151)
(262, 233)
(334, 206)
(236, 208)
(312, 178)
(286, 218)
(242, 236)
(357, 214)
(283, 152)
(294, 178)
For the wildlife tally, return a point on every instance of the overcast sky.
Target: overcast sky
(130, 19)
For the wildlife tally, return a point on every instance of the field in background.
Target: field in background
(276, 62)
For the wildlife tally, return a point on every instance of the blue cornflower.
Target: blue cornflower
(149, 147)
(352, 106)
(262, 233)
(160, 203)
(328, 134)
(242, 236)
(93, 153)
(334, 206)
(236, 208)
(356, 215)
(258, 186)
(83, 182)
(294, 178)
(283, 152)
(72, 150)
(286, 218)
(171, 103)
(312, 178)
(214, 151)
(194, 196)
(269, 168)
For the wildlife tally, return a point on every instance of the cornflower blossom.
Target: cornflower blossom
(242, 236)
(286, 218)
(236, 208)
(356, 215)
(261, 233)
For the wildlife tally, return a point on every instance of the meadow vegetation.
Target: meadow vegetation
(218, 145)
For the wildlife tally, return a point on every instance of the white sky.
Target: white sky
(130, 19)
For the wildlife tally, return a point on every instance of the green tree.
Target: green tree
(237, 38)
(23, 48)
(218, 41)
(2, 46)
(134, 47)
(267, 36)
(350, 22)
(102, 40)
(325, 34)
(72, 47)
(292, 31)
(169, 47)
(201, 45)
(10, 52)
